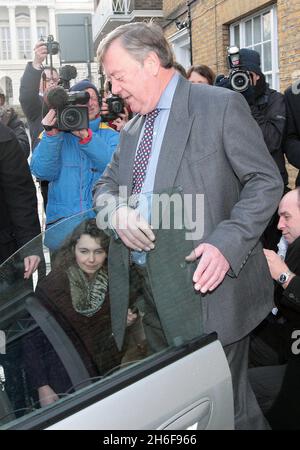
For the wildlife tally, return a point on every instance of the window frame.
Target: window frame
(274, 72)
(5, 41)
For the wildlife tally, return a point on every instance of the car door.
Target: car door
(184, 386)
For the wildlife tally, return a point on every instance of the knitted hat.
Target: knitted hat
(250, 60)
(83, 85)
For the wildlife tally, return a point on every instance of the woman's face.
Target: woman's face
(89, 254)
(195, 77)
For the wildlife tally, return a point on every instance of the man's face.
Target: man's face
(136, 83)
(93, 104)
(254, 78)
(48, 80)
(289, 216)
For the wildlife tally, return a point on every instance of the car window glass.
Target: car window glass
(56, 338)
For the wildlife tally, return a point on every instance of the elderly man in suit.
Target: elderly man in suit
(204, 141)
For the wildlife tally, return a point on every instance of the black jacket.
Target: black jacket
(9, 117)
(270, 113)
(19, 221)
(31, 101)
(285, 411)
(268, 109)
(292, 138)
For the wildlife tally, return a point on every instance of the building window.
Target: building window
(259, 32)
(5, 43)
(42, 32)
(24, 42)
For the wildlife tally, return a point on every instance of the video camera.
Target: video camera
(238, 79)
(71, 112)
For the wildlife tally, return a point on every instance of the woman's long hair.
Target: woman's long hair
(65, 256)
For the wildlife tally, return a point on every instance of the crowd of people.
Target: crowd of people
(177, 128)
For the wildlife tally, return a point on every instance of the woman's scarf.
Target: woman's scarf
(87, 294)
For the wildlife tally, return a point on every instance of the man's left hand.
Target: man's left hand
(30, 265)
(211, 269)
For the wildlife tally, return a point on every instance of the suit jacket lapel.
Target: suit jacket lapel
(128, 143)
(175, 139)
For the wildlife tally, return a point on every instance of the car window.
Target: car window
(57, 342)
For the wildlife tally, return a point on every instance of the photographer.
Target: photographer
(37, 80)
(267, 108)
(72, 162)
(267, 105)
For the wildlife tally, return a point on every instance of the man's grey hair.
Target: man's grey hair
(138, 39)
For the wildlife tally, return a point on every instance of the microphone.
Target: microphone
(57, 97)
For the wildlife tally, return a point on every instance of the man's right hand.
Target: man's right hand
(133, 229)
(40, 54)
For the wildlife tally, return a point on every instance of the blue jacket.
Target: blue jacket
(72, 168)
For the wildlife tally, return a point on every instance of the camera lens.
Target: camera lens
(117, 107)
(240, 82)
(71, 118)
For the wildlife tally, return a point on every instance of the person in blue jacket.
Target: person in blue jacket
(72, 162)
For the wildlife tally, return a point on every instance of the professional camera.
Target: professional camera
(70, 110)
(239, 79)
(52, 45)
(115, 107)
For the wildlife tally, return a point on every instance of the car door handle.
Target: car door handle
(196, 416)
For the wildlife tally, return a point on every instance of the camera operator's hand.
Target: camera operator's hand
(222, 81)
(40, 54)
(82, 134)
(121, 121)
(49, 122)
(104, 107)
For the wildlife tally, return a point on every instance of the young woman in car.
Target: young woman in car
(76, 294)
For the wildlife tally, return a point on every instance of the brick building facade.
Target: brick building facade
(210, 26)
(210, 30)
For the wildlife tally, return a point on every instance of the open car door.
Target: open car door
(185, 386)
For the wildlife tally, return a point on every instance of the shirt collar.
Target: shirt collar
(166, 98)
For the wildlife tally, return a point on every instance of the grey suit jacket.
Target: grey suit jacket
(212, 146)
